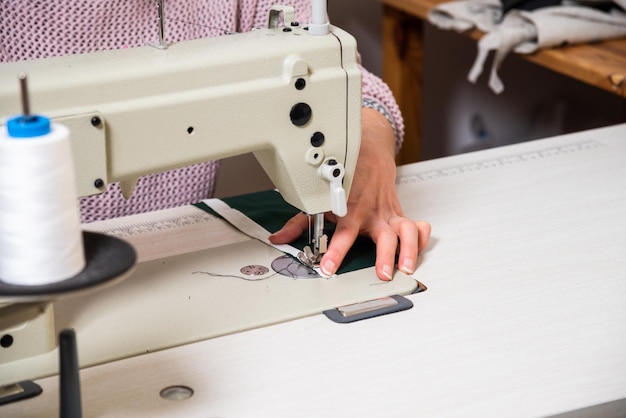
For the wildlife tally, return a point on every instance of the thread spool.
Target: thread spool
(40, 235)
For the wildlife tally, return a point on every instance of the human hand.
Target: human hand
(374, 209)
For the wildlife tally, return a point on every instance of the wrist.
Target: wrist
(377, 133)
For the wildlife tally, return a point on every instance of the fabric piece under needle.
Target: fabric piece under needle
(269, 210)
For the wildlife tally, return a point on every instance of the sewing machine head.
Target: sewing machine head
(290, 97)
(289, 93)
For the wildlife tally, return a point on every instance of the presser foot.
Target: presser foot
(309, 257)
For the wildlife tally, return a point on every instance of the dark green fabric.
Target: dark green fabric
(270, 210)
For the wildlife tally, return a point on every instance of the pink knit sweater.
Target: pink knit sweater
(39, 29)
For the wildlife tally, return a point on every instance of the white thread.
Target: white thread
(40, 234)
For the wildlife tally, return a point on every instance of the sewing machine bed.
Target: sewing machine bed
(188, 286)
(523, 317)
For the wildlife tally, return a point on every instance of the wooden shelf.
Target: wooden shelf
(601, 64)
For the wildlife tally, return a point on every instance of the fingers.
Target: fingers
(424, 230)
(386, 243)
(408, 234)
(412, 236)
(386, 238)
(341, 242)
(291, 231)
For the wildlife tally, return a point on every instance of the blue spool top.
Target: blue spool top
(28, 126)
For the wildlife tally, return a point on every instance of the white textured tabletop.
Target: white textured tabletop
(524, 315)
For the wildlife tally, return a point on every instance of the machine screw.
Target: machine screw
(96, 121)
(336, 171)
(98, 183)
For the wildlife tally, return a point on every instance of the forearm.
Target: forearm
(378, 96)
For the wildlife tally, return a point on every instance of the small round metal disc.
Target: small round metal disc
(254, 270)
(290, 267)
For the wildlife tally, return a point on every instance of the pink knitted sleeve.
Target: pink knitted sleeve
(31, 30)
(43, 29)
(377, 95)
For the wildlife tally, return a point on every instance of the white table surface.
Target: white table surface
(524, 316)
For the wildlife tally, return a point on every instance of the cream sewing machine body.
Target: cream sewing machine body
(290, 97)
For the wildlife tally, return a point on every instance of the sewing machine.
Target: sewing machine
(290, 97)
(289, 93)
(523, 316)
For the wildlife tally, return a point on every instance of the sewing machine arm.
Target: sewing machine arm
(291, 98)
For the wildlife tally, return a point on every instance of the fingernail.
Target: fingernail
(387, 271)
(408, 266)
(328, 268)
